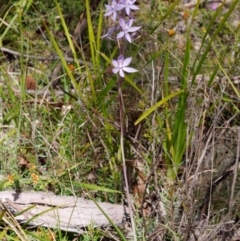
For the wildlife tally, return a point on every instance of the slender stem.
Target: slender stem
(122, 127)
(121, 46)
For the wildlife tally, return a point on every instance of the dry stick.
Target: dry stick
(44, 93)
(235, 175)
(199, 164)
(153, 169)
(231, 201)
(41, 58)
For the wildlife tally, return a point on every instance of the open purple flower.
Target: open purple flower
(126, 29)
(128, 5)
(112, 9)
(120, 65)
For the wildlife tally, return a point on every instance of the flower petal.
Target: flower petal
(127, 10)
(133, 29)
(121, 23)
(129, 23)
(115, 63)
(130, 70)
(128, 38)
(114, 16)
(115, 70)
(108, 7)
(127, 61)
(108, 14)
(120, 58)
(121, 73)
(120, 35)
(119, 7)
(134, 7)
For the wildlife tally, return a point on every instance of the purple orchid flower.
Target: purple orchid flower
(126, 29)
(128, 5)
(112, 9)
(214, 6)
(120, 65)
(109, 33)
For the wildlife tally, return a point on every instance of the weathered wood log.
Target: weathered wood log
(63, 212)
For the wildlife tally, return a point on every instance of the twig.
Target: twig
(231, 203)
(50, 58)
(45, 93)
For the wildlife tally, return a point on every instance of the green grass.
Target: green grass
(183, 93)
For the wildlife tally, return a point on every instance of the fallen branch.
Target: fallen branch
(63, 212)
